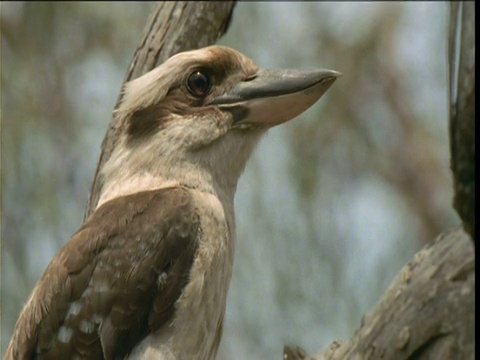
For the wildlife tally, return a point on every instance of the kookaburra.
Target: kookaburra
(147, 274)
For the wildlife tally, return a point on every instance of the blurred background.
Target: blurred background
(331, 205)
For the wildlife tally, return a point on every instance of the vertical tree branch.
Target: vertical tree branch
(462, 110)
(173, 27)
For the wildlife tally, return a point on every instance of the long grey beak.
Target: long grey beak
(275, 96)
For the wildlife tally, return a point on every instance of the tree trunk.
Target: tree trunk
(462, 110)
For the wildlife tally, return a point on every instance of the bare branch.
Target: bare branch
(462, 109)
(427, 312)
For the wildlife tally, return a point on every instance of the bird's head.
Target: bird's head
(195, 119)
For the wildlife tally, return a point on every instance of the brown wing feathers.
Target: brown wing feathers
(115, 281)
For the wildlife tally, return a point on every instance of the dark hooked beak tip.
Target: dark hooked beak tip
(275, 96)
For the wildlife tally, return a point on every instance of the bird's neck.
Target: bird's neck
(214, 170)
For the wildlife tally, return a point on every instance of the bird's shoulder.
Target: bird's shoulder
(115, 280)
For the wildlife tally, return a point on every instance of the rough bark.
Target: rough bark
(428, 312)
(173, 27)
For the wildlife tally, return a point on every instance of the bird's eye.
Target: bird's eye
(199, 83)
